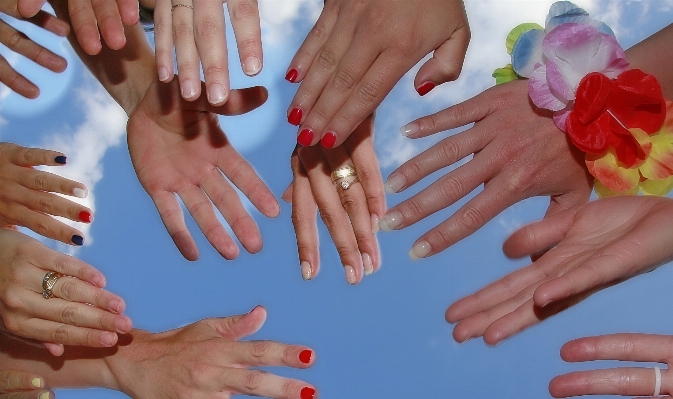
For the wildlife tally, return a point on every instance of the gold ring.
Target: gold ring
(48, 283)
(181, 5)
(345, 177)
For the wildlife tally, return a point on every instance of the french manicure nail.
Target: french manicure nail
(395, 183)
(61, 160)
(305, 137)
(305, 356)
(216, 94)
(306, 271)
(328, 140)
(85, 217)
(163, 74)
(252, 66)
(108, 339)
(375, 223)
(36, 382)
(306, 393)
(390, 221)
(295, 116)
(77, 240)
(425, 88)
(292, 75)
(420, 250)
(368, 265)
(45, 395)
(188, 89)
(80, 192)
(350, 275)
(409, 130)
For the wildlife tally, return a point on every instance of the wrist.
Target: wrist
(120, 368)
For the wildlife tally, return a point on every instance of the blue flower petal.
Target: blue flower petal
(527, 52)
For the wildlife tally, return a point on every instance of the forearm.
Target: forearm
(126, 73)
(655, 56)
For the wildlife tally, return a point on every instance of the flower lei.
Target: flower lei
(617, 116)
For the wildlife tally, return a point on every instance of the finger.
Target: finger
(314, 41)
(50, 23)
(270, 353)
(23, 156)
(538, 235)
(627, 381)
(332, 212)
(83, 21)
(245, 21)
(240, 102)
(625, 347)
(128, 11)
(28, 395)
(304, 213)
(172, 217)
(261, 383)
(21, 44)
(201, 209)
(47, 259)
(446, 62)
(226, 199)
(109, 23)
(16, 82)
(54, 349)
(29, 8)
(237, 327)
(287, 194)
(47, 226)
(54, 332)
(43, 181)
(163, 40)
(185, 50)
(209, 33)
(15, 380)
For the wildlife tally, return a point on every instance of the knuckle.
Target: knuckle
(348, 202)
(343, 80)
(247, 45)
(415, 206)
(208, 29)
(327, 59)
(289, 389)
(215, 69)
(472, 218)
(319, 32)
(243, 10)
(451, 189)
(183, 31)
(11, 324)
(12, 299)
(13, 41)
(68, 289)
(260, 351)
(62, 334)
(69, 314)
(369, 93)
(449, 150)
(328, 217)
(253, 379)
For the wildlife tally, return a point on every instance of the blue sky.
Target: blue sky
(385, 338)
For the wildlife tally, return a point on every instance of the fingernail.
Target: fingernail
(99, 281)
(292, 75)
(295, 116)
(252, 66)
(108, 339)
(395, 183)
(80, 192)
(425, 88)
(36, 382)
(85, 217)
(306, 271)
(122, 325)
(77, 240)
(61, 160)
(188, 89)
(163, 74)
(375, 224)
(305, 356)
(45, 395)
(390, 221)
(216, 94)
(368, 265)
(306, 393)
(328, 140)
(305, 137)
(419, 250)
(409, 130)
(350, 274)
(115, 305)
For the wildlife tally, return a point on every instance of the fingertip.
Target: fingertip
(54, 349)
(186, 246)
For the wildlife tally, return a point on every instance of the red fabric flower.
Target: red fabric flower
(605, 109)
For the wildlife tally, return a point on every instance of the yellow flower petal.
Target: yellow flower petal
(602, 191)
(516, 32)
(605, 169)
(657, 187)
(659, 165)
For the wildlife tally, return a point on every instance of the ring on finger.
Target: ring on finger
(181, 5)
(48, 283)
(344, 177)
(657, 382)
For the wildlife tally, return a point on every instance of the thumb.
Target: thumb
(287, 194)
(29, 8)
(237, 327)
(445, 64)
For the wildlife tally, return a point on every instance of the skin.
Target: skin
(348, 214)
(28, 196)
(357, 51)
(17, 384)
(198, 37)
(203, 359)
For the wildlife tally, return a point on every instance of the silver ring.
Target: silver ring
(48, 283)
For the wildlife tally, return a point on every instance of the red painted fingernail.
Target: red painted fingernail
(85, 216)
(425, 88)
(307, 393)
(295, 116)
(292, 75)
(328, 140)
(305, 356)
(305, 137)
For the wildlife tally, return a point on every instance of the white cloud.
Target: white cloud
(279, 16)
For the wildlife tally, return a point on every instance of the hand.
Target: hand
(198, 35)
(358, 50)
(68, 318)
(594, 246)
(88, 17)
(518, 153)
(204, 359)
(21, 44)
(626, 381)
(178, 147)
(15, 384)
(25, 194)
(349, 214)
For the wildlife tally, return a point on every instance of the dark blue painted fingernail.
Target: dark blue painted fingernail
(77, 240)
(61, 159)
